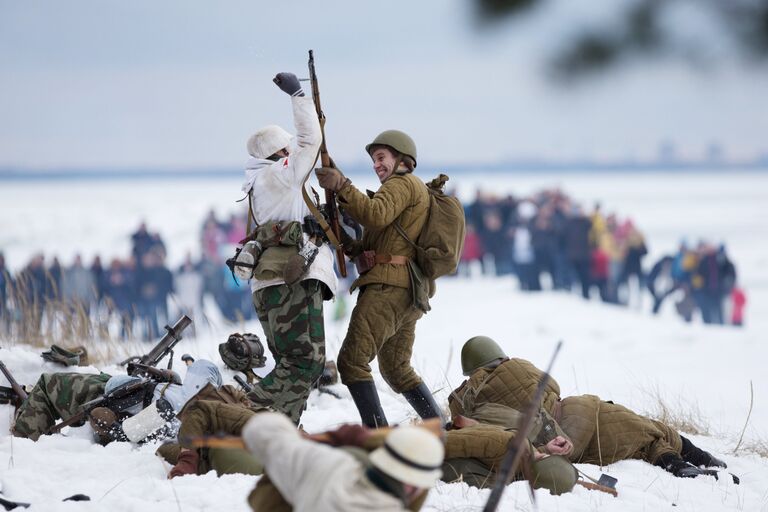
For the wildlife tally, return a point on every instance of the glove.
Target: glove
(349, 435)
(186, 464)
(289, 84)
(331, 178)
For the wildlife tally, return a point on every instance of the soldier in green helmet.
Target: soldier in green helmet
(587, 429)
(384, 319)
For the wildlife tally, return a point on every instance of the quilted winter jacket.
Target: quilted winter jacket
(403, 198)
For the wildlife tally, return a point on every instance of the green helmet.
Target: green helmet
(397, 140)
(479, 351)
(554, 473)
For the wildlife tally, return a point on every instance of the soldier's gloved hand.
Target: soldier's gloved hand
(186, 464)
(289, 84)
(331, 178)
(349, 435)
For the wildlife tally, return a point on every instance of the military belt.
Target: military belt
(392, 259)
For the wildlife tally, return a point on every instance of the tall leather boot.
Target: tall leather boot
(698, 457)
(368, 405)
(423, 402)
(673, 463)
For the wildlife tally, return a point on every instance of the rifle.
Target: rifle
(163, 348)
(374, 440)
(515, 453)
(332, 228)
(15, 386)
(103, 401)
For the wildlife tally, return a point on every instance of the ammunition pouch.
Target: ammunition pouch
(420, 287)
(365, 261)
(242, 352)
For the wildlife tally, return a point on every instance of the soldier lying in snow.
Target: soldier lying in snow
(63, 395)
(594, 431)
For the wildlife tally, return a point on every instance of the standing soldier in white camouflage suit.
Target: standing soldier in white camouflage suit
(291, 313)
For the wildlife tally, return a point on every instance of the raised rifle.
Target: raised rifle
(18, 390)
(137, 364)
(108, 401)
(332, 228)
(515, 452)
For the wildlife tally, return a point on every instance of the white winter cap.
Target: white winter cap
(268, 141)
(411, 455)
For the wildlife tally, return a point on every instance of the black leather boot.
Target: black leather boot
(423, 402)
(698, 457)
(368, 405)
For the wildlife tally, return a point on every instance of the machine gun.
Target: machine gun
(138, 365)
(16, 393)
(112, 401)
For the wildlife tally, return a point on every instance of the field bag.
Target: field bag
(280, 240)
(439, 245)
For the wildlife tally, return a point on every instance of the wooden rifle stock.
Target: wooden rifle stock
(331, 210)
(14, 385)
(375, 439)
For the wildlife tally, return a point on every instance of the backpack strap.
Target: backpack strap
(400, 230)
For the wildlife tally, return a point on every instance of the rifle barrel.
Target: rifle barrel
(167, 342)
(325, 159)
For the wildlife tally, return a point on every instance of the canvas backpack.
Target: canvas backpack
(439, 245)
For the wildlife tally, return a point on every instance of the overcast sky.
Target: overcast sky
(183, 84)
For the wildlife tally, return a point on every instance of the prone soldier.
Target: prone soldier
(593, 431)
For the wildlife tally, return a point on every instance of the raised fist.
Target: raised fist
(288, 83)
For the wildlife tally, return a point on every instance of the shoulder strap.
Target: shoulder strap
(316, 213)
(400, 230)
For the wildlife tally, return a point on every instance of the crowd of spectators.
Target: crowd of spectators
(546, 240)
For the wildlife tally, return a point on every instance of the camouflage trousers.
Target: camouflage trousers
(292, 319)
(55, 396)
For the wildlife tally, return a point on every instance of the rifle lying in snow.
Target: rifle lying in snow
(515, 452)
(373, 441)
(332, 228)
(138, 364)
(17, 393)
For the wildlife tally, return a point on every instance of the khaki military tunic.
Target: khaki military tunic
(601, 432)
(383, 321)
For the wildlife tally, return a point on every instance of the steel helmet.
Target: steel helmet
(268, 141)
(397, 140)
(242, 352)
(478, 352)
(554, 473)
(411, 455)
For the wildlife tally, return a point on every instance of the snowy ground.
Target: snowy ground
(621, 354)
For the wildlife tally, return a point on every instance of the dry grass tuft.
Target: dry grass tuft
(681, 415)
